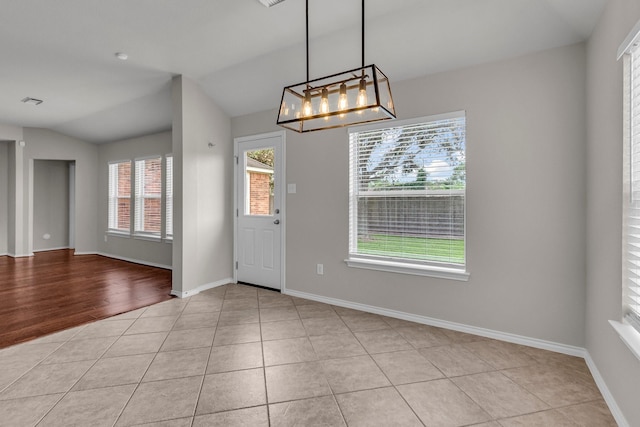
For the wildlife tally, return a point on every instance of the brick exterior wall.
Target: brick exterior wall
(124, 196)
(152, 194)
(259, 193)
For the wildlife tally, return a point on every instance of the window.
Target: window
(120, 196)
(629, 328)
(169, 198)
(407, 197)
(148, 200)
(259, 182)
(631, 208)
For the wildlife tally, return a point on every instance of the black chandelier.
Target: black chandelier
(361, 95)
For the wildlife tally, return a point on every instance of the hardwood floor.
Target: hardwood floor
(56, 290)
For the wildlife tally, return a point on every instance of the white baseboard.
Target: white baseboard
(51, 249)
(19, 255)
(133, 260)
(489, 333)
(604, 390)
(202, 288)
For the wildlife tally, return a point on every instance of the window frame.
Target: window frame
(138, 201)
(628, 328)
(114, 206)
(168, 201)
(401, 265)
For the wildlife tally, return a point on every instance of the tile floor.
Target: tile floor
(241, 356)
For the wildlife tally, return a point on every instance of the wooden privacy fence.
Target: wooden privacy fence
(425, 213)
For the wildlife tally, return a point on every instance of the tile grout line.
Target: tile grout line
(50, 409)
(206, 368)
(141, 377)
(333, 395)
(32, 368)
(387, 377)
(82, 376)
(124, 407)
(32, 342)
(494, 369)
(501, 372)
(264, 365)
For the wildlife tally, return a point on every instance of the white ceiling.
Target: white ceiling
(241, 52)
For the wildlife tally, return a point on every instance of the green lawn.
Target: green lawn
(445, 250)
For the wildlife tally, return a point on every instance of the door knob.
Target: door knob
(277, 221)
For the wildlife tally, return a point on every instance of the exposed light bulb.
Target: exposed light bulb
(306, 108)
(324, 101)
(343, 102)
(362, 93)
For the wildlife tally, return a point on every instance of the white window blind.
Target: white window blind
(407, 192)
(632, 211)
(169, 198)
(119, 217)
(148, 196)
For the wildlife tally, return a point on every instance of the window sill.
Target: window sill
(168, 240)
(119, 234)
(628, 335)
(148, 237)
(406, 268)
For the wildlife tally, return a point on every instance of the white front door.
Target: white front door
(259, 209)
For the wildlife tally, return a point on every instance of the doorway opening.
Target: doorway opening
(53, 220)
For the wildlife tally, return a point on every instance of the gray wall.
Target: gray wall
(4, 196)
(50, 204)
(525, 200)
(619, 368)
(146, 251)
(10, 132)
(8, 136)
(203, 189)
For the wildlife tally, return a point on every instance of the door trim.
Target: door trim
(72, 204)
(283, 197)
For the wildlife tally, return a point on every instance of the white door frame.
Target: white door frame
(72, 204)
(283, 198)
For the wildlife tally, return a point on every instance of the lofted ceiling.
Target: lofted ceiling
(241, 52)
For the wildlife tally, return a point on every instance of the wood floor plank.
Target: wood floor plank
(57, 290)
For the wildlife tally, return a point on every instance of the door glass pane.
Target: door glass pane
(259, 183)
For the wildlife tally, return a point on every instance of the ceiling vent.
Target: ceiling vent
(269, 3)
(33, 101)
